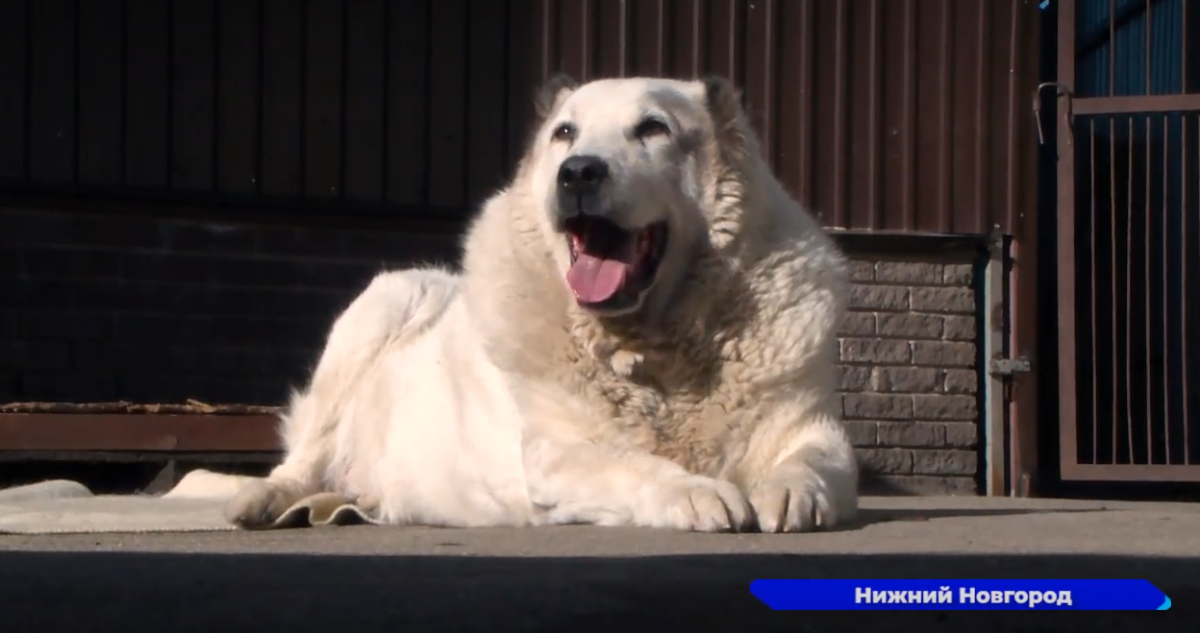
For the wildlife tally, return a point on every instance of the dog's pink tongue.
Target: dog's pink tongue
(594, 279)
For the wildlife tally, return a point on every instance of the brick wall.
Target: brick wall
(96, 309)
(908, 376)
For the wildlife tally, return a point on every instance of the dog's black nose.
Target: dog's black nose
(582, 174)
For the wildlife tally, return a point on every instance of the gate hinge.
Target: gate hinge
(1009, 366)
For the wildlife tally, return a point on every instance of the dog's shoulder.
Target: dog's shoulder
(794, 292)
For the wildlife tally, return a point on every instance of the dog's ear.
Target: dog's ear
(734, 136)
(724, 101)
(557, 88)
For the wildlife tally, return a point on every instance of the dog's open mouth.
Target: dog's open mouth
(612, 266)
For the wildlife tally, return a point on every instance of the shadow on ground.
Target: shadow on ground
(881, 515)
(129, 592)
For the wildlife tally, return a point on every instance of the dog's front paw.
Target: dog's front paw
(700, 504)
(259, 503)
(798, 503)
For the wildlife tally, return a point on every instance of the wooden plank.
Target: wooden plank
(126, 407)
(194, 458)
(237, 96)
(137, 432)
(147, 93)
(407, 148)
(13, 97)
(282, 129)
(52, 92)
(485, 84)
(192, 83)
(365, 78)
(323, 99)
(447, 104)
(101, 92)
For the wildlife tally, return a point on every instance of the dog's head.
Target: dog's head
(627, 173)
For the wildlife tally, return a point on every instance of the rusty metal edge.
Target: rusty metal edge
(1025, 450)
(1067, 389)
(1131, 473)
(1019, 336)
(1134, 105)
(992, 335)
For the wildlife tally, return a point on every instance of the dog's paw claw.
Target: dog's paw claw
(791, 505)
(703, 504)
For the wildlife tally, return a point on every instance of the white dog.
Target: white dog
(643, 334)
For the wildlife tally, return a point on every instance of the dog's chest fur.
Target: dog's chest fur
(673, 398)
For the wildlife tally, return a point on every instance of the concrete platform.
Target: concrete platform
(591, 579)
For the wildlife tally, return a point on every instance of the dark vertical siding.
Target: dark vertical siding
(447, 101)
(52, 91)
(147, 92)
(344, 105)
(101, 66)
(323, 51)
(486, 134)
(238, 94)
(14, 77)
(896, 115)
(281, 136)
(902, 115)
(194, 70)
(366, 31)
(406, 101)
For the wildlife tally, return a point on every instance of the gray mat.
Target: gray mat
(196, 504)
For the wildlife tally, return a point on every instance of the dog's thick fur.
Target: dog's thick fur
(491, 397)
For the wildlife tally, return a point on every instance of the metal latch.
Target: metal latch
(1060, 92)
(1009, 366)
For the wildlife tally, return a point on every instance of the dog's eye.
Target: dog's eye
(651, 127)
(564, 133)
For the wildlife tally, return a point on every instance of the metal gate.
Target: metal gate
(1129, 239)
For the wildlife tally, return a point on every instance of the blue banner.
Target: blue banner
(960, 595)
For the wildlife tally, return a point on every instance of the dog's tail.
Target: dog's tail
(396, 308)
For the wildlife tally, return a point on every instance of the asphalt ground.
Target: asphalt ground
(585, 579)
